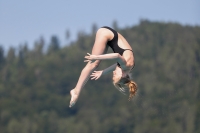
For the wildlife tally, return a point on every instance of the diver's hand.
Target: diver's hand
(90, 58)
(96, 75)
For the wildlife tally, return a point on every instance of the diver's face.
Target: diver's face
(117, 74)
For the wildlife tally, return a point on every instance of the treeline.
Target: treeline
(35, 85)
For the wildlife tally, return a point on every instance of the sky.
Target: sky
(25, 21)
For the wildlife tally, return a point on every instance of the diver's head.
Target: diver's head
(122, 79)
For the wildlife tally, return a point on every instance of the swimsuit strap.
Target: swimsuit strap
(128, 49)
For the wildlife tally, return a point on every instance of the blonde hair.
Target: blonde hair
(128, 83)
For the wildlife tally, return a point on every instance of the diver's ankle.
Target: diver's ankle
(75, 91)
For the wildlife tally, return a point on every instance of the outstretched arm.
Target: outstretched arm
(114, 56)
(97, 74)
(109, 69)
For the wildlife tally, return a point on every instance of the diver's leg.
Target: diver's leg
(100, 47)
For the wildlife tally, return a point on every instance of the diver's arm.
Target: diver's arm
(109, 69)
(112, 56)
(97, 74)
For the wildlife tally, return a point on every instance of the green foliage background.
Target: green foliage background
(35, 85)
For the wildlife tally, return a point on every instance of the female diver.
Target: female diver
(123, 55)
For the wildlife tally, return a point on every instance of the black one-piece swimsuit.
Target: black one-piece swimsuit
(114, 44)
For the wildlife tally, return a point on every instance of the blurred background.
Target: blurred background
(42, 45)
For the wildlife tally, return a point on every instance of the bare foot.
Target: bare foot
(74, 98)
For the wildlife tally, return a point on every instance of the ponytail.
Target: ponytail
(128, 83)
(132, 89)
